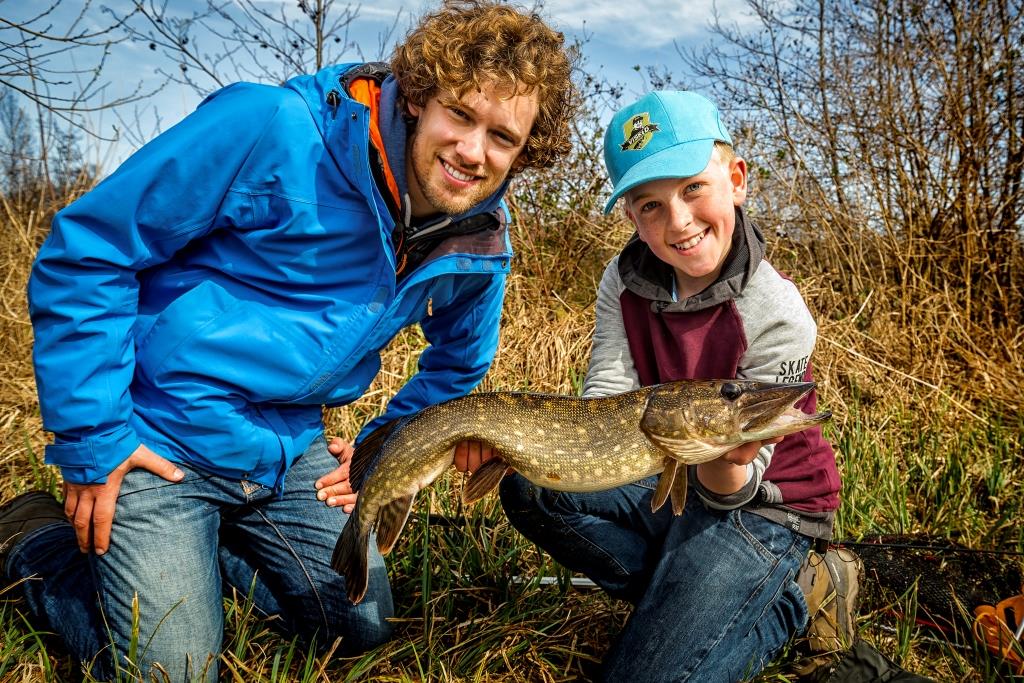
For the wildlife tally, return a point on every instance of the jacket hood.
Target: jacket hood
(326, 95)
(646, 275)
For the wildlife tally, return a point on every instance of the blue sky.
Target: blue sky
(619, 34)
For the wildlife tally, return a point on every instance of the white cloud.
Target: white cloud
(653, 23)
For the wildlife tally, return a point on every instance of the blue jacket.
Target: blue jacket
(233, 276)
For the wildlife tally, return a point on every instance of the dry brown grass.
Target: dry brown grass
(885, 352)
(26, 221)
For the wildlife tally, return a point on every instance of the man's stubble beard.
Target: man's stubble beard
(452, 204)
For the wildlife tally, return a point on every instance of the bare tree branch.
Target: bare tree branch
(243, 39)
(38, 60)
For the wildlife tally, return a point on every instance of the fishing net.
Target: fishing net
(951, 579)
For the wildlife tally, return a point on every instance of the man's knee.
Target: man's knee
(360, 627)
(362, 633)
(359, 632)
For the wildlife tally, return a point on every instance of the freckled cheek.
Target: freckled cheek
(651, 231)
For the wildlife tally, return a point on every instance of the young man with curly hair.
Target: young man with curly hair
(195, 311)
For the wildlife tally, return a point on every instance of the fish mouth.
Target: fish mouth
(769, 410)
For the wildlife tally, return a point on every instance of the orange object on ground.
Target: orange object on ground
(998, 628)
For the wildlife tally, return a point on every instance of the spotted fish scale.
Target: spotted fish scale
(558, 441)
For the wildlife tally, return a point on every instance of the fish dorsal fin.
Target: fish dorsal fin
(485, 478)
(365, 455)
(668, 475)
(390, 522)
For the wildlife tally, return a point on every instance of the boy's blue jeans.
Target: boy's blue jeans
(179, 548)
(714, 592)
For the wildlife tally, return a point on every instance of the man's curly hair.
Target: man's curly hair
(470, 43)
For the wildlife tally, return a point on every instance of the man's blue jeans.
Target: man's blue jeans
(178, 548)
(714, 592)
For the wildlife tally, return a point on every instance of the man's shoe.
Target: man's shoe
(23, 514)
(831, 586)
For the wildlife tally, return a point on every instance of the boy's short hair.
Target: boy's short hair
(664, 134)
(469, 43)
(725, 151)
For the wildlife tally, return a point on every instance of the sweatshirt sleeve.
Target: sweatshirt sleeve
(84, 287)
(611, 369)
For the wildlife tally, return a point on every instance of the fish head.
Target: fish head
(698, 420)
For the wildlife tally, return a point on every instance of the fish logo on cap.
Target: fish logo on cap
(638, 131)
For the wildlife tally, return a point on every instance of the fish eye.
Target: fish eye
(731, 392)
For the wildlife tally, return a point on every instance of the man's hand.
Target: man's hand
(90, 507)
(334, 487)
(469, 455)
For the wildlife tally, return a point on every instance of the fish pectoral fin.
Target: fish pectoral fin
(665, 480)
(390, 522)
(671, 486)
(687, 450)
(485, 478)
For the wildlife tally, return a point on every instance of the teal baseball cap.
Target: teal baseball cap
(664, 134)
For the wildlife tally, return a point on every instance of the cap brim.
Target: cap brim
(679, 161)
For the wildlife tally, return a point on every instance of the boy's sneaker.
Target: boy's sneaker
(23, 514)
(831, 584)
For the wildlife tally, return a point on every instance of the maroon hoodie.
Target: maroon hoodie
(751, 323)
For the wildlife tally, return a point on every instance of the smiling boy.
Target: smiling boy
(715, 590)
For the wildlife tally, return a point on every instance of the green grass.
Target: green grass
(470, 606)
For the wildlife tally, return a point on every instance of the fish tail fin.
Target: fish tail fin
(350, 558)
(485, 478)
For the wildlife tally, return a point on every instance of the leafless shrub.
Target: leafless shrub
(34, 60)
(53, 61)
(226, 42)
(886, 141)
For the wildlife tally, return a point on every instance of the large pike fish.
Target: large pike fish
(558, 442)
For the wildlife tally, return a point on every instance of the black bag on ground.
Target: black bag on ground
(864, 664)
